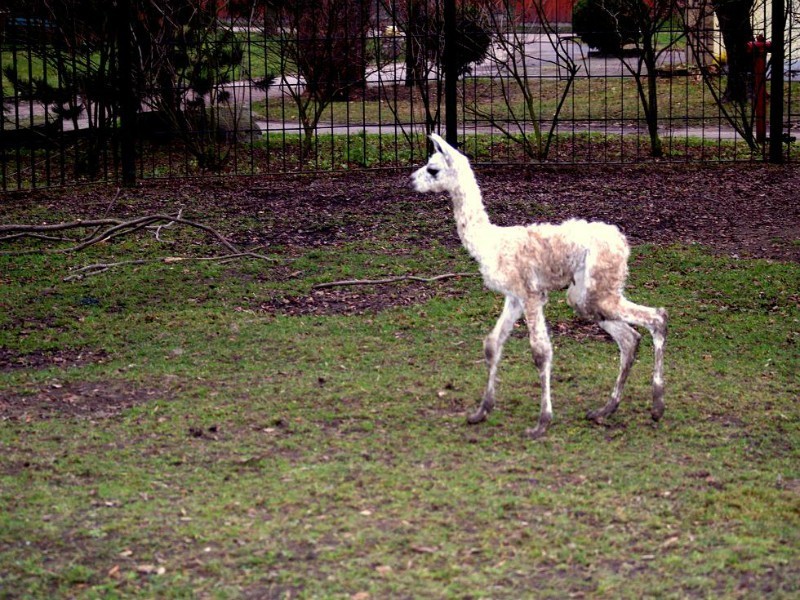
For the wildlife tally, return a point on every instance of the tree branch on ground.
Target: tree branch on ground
(97, 268)
(349, 282)
(106, 229)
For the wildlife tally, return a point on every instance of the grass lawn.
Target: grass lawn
(220, 430)
(259, 60)
(683, 101)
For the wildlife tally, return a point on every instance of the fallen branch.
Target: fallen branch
(127, 227)
(347, 282)
(35, 236)
(96, 268)
(116, 228)
(168, 225)
(58, 226)
(106, 229)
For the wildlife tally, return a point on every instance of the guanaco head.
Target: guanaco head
(441, 174)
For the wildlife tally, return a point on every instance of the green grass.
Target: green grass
(360, 149)
(259, 61)
(327, 455)
(27, 66)
(682, 100)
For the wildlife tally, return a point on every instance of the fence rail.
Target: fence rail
(176, 88)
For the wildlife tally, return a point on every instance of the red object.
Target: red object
(759, 49)
(553, 11)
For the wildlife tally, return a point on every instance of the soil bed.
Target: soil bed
(747, 210)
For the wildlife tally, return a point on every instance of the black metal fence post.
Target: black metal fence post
(776, 83)
(127, 98)
(450, 74)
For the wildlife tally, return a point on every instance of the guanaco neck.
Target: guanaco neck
(472, 221)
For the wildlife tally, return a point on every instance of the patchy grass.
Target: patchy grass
(218, 430)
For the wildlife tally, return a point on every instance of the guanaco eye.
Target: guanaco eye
(433, 171)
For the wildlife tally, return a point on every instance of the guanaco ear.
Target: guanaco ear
(443, 148)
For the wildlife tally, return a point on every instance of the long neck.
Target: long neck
(472, 221)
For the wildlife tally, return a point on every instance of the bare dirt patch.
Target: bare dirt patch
(43, 359)
(363, 299)
(86, 400)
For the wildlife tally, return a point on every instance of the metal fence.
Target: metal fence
(176, 88)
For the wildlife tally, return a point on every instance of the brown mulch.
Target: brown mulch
(747, 210)
(356, 300)
(63, 358)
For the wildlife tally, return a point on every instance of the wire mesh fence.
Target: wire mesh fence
(176, 88)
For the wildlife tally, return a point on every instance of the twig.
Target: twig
(58, 226)
(106, 229)
(346, 282)
(121, 229)
(36, 236)
(97, 268)
(170, 224)
(115, 228)
(108, 210)
(18, 231)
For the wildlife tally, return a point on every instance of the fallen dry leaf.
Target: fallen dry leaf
(150, 570)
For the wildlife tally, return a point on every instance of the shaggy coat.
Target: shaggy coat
(590, 260)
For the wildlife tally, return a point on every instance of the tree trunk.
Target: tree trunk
(737, 32)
